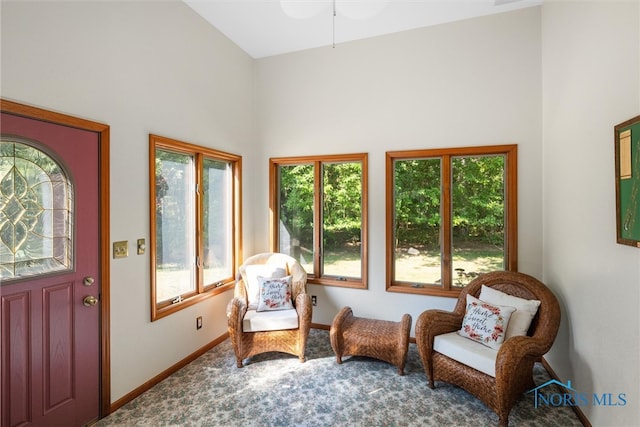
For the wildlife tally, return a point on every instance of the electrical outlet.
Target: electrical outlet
(199, 322)
(314, 300)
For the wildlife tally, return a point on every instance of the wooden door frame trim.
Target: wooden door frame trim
(103, 132)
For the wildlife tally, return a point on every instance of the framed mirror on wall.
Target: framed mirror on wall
(627, 155)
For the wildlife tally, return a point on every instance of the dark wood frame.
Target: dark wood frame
(511, 207)
(635, 171)
(103, 131)
(203, 291)
(317, 161)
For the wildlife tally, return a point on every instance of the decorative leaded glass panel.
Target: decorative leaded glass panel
(36, 203)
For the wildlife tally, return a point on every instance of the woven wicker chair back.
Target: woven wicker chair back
(522, 286)
(293, 268)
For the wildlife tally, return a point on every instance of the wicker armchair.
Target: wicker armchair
(292, 341)
(515, 358)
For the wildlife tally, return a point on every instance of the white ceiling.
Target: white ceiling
(261, 28)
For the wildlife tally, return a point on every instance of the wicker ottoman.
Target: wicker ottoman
(380, 339)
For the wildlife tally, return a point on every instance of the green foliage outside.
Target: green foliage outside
(477, 192)
(477, 200)
(417, 202)
(296, 202)
(341, 197)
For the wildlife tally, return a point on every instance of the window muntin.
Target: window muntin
(329, 241)
(195, 225)
(36, 213)
(451, 215)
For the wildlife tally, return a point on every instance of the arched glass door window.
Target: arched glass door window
(36, 213)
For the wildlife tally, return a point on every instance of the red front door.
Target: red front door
(50, 290)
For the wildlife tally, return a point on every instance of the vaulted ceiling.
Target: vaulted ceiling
(270, 27)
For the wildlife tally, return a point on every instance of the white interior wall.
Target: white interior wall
(141, 67)
(591, 69)
(474, 82)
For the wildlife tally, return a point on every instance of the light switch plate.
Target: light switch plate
(121, 249)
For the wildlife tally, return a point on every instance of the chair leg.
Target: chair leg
(239, 362)
(503, 417)
(428, 367)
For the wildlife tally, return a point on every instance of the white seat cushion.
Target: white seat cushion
(255, 321)
(466, 351)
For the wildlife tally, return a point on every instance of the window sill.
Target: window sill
(349, 283)
(160, 312)
(424, 290)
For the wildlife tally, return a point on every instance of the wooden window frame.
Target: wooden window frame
(202, 290)
(317, 162)
(511, 214)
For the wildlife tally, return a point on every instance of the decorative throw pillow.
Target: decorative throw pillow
(275, 294)
(525, 309)
(250, 277)
(485, 323)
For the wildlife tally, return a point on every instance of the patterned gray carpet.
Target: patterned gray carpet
(275, 389)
